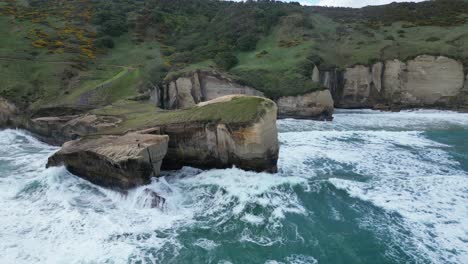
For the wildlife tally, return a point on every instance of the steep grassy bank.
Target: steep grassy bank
(84, 53)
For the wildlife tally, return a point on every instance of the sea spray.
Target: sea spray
(369, 187)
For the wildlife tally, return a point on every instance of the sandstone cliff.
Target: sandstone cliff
(9, 114)
(228, 131)
(200, 86)
(316, 105)
(423, 82)
(246, 145)
(120, 162)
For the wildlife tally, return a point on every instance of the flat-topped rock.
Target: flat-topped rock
(235, 130)
(315, 105)
(120, 162)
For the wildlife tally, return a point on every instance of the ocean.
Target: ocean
(369, 187)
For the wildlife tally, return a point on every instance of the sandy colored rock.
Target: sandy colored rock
(8, 113)
(426, 81)
(56, 130)
(315, 74)
(433, 80)
(315, 105)
(121, 162)
(214, 86)
(377, 73)
(195, 87)
(249, 145)
(357, 87)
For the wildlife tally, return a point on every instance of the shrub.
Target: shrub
(226, 60)
(105, 42)
(247, 42)
(114, 27)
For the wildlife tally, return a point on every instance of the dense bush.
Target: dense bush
(226, 60)
(105, 42)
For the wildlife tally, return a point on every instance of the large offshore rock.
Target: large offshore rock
(121, 162)
(316, 105)
(227, 131)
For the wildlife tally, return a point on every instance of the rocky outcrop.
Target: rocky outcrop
(316, 74)
(227, 131)
(249, 145)
(465, 87)
(426, 81)
(316, 105)
(120, 162)
(9, 114)
(199, 86)
(56, 130)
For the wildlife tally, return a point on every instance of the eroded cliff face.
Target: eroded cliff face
(228, 131)
(217, 144)
(426, 81)
(316, 105)
(199, 86)
(9, 114)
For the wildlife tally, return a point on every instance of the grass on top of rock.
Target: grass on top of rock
(141, 115)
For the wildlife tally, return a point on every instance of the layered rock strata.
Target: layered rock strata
(201, 86)
(120, 162)
(423, 82)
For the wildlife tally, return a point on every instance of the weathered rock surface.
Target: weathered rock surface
(228, 131)
(426, 81)
(8, 113)
(199, 86)
(56, 130)
(357, 87)
(251, 145)
(120, 162)
(316, 105)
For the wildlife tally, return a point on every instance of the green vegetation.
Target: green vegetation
(139, 115)
(93, 53)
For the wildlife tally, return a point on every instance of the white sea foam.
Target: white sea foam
(410, 174)
(206, 244)
(51, 216)
(434, 209)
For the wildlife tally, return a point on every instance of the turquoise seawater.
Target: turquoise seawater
(369, 187)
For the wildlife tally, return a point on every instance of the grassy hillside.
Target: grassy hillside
(94, 53)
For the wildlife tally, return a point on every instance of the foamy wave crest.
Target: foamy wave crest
(365, 153)
(51, 216)
(433, 208)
